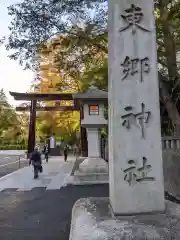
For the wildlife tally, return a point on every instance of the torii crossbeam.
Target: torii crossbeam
(33, 98)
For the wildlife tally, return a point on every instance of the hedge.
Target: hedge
(13, 147)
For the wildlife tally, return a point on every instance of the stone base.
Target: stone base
(93, 165)
(89, 171)
(88, 179)
(92, 220)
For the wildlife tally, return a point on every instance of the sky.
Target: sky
(12, 75)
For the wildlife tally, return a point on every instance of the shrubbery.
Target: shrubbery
(13, 147)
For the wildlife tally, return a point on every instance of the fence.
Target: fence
(19, 161)
(170, 142)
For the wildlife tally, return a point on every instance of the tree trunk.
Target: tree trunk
(170, 107)
(170, 54)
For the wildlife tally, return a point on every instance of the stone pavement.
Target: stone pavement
(41, 209)
(54, 176)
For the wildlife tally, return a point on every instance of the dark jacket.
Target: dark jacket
(35, 158)
(66, 150)
(46, 150)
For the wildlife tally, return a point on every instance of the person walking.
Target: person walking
(35, 160)
(75, 150)
(66, 152)
(46, 152)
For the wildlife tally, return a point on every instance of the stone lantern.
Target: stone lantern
(92, 104)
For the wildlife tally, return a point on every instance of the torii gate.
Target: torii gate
(33, 98)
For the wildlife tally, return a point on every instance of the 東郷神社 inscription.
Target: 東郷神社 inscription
(139, 119)
(134, 121)
(132, 66)
(133, 17)
(135, 174)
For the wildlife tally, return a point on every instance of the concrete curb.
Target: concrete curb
(88, 179)
(88, 183)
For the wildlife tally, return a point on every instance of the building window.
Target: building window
(93, 109)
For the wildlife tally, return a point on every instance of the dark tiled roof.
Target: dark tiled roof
(92, 93)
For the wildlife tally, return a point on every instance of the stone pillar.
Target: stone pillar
(32, 127)
(135, 152)
(93, 138)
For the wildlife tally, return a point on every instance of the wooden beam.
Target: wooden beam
(41, 96)
(48, 108)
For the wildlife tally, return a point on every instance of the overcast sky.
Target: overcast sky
(12, 75)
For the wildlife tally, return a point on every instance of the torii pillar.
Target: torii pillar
(32, 126)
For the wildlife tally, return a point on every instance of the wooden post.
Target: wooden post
(83, 136)
(84, 145)
(32, 126)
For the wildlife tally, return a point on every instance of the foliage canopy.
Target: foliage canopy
(73, 33)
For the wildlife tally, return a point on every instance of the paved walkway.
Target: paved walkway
(54, 176)
(41, 209)
(40, 214)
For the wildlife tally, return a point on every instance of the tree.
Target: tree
(10, 124)
(36, 21)
(6, 112)
(168, 40)
(63, 124)
(80, 49)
